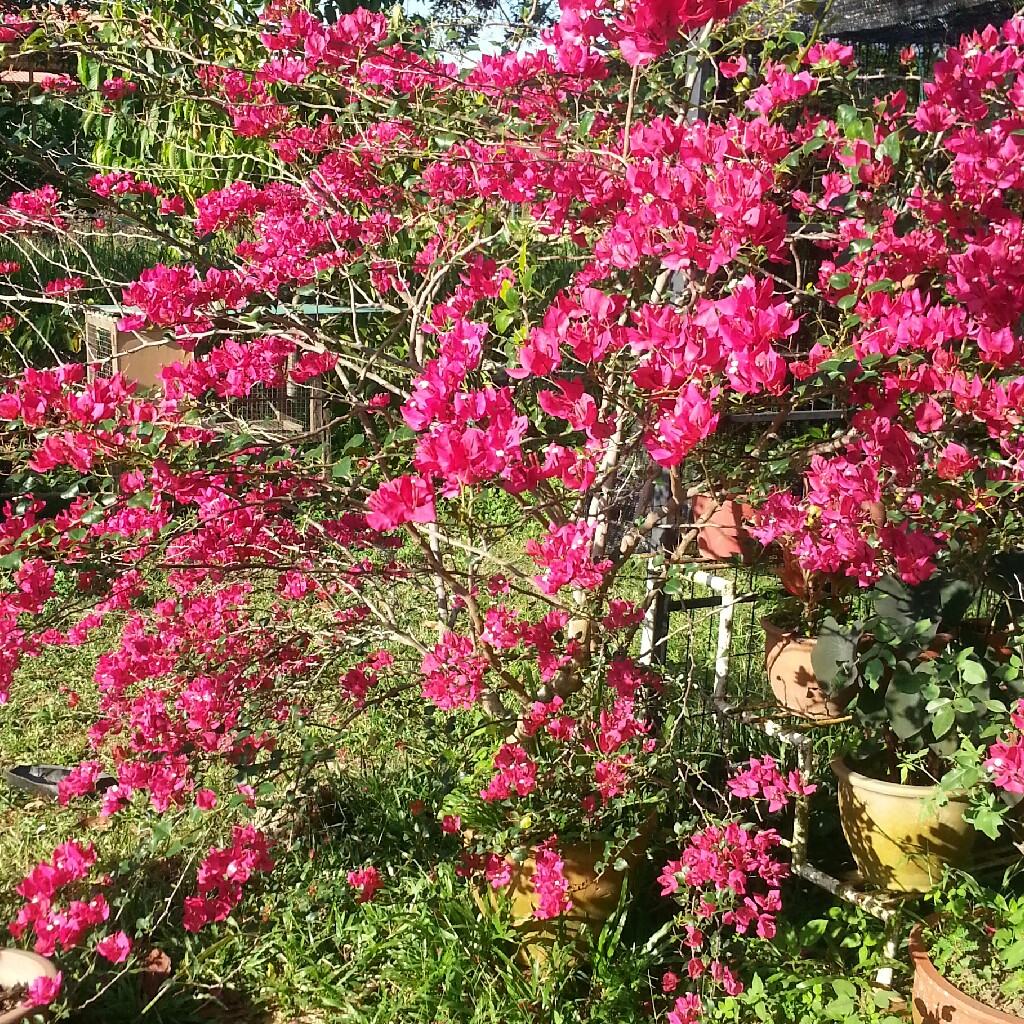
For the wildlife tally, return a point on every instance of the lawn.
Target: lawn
(300, 948)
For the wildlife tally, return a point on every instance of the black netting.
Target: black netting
(906, 22)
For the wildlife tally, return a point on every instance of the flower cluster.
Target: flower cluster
(116, 89)
(54, 923)
(1005, 760)
(550, 886)
(367, 881)
(517, 774)
(763, 780)
(683, 309)
(729, 880)
(223, 873)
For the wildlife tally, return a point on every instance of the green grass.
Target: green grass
(299, 948)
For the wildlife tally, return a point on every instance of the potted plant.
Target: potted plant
(968, 959)
(556, 818)
(921, 694)
(791, 638)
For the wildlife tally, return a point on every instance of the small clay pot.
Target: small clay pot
(938, 1001)
(594, 896)
(787, 660)
(724, 534)
(22, 967)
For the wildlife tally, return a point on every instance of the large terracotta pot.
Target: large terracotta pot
(22, 967)
(594, 896)
(899, 836)
(937, 1001)
(787, 660)
(724, 534)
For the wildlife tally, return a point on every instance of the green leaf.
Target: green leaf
(845, 115)
(1013, 956)
(12, 560)
(502, 319)
(883, 285)
(890, 147)
(987, 820)
(973, 673)
(945, 718)
(844, 987)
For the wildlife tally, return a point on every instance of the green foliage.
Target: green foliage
(976, 941)
(48, 333)
(820, 967)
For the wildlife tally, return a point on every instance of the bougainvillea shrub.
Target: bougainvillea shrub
(578, 277)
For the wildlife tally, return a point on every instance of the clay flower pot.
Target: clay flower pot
(938, 1001)
(22, 967)
(724, 535)
(595, 896)
(899, 836)
(787, 660)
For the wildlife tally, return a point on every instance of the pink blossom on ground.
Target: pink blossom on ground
(368, 881)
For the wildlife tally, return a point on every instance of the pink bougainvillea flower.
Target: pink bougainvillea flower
(517, 774)
(498, 871)
(564, 555)
(649, 26)
(550, 886)
(762, 779)
(115, 89)
(43, 991)
(313, 364)
(173, 206)
(368, 881)
(407, 499)
(1005, 760)
(954, 461)
(59, 84)
(64, 285)
(733, 67)
(115, 948)
(686, 1010)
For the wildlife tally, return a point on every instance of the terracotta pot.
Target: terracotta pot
(937, 1001)
(724, 535)
(900, 838)
(21, 967)
(594, 896)
(787, 660)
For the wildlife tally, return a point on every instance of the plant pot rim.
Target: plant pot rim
(645, 832)
(789, 635)
(923, 963)
(845, 773)
(723, 499)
